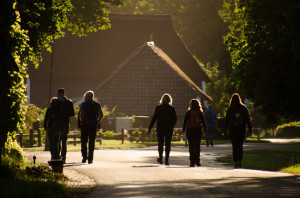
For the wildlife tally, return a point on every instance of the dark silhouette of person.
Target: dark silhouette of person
(49, 128)
(237, 117)
(210, 119)
(166, 118)
(192, 125)
(90, 117)
(62, 109)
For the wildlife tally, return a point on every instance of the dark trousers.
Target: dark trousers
(88, 134)
(237, 140)
(50, 138)
(60, 133)
(194, 138)
(164, 139)
(210, 135)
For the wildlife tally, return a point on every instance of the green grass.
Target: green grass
(284, 159)
(18, 183)
(116, 144)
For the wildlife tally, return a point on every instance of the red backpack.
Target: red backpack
(194, 121)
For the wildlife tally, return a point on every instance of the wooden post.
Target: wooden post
(122, 132)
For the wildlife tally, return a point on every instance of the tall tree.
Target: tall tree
(26, 26)
(264, 44)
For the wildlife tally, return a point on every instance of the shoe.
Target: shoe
(198, 164)
(192, 165)
(159, 160)
(211, 144)
(207, 145)
(167, 162)
(90, 161)
(83, 160)
(236, 165)
(64, 160)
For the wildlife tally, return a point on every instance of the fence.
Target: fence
(31, 138)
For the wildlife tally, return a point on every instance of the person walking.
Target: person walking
(91, 115)
(166, 118)
(61, 109)
(210, 119)
(193, 124)
(237, 117)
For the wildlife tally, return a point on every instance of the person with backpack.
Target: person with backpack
(61, 109)
(166, 118)
(193, 124)
(91, 115)
(237, 117)
(210, 119)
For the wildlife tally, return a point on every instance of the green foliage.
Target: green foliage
(90, 16)
(265, 46)
(13, 154)
(291, 129)
(218, 89)
(108, 135)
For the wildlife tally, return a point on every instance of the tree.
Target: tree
(264, 44)
(27, 26)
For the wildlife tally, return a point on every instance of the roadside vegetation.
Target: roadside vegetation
(279, 159)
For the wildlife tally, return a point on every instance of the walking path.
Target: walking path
(135, 173)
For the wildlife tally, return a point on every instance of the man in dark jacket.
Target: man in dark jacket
(62, 109)
(90, 117)
(237, 117)
(166, 118)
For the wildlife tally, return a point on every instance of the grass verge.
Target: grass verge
(116, 144)
(281, 159)
(34, 181)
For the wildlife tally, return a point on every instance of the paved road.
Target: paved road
(135, 173)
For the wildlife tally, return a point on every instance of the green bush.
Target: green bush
(291, 129)
(108, 135)
(13, 153)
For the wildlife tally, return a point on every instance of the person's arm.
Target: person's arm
(100, 117)
(46, 118)
(227, 120)
(248, 122)
(185, 122)
(153, 120)
(203, 121)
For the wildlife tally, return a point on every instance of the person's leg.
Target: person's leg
(197, 148)
(240, 150)
(51, 143)
(84, 140)
(191, 141)
(212, 133)
(55, 141)
(160, 139)
(64, 138)
(168, 139)
(234, 142)
(92, 136)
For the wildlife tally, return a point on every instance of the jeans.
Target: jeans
(210, 135)
(194, 138)
(60, 133)
(164, 139)
(88, 134)
(237, 141)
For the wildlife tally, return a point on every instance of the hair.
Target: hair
(89, 93)
(61, 91)
(195, 105)
(166, 99)
(235, 99)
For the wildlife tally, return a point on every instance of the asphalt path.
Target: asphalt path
(135, 173)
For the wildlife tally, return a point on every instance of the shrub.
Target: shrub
(291, 129)
(13, 153)
(108, 135)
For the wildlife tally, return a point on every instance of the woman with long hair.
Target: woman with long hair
(193, 124)
(237, 117)
(166, 118)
